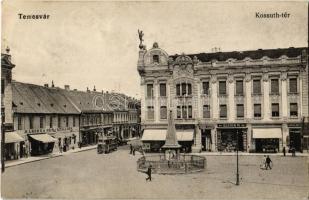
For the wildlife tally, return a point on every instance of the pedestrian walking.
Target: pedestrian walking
(149, 173)
(284, 151)
(268, 161)
(263, 164)
(131, 149)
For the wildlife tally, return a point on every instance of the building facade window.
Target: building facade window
(162, 89)
(223, 111)
(240, 110)
(274, 86)
(59, 121)
(178, 89)
(19, 126)
(150, 112)
(31, 122)
(149, 90)
(178, 112)
(67, 121)
(206, 111)
(183, 89)
(293, 85)
(189, 89)
(155, 58)
(257, 110)
(239, 87)
(275, 110)
(184, 112)
(257, 86)
(163, 112)
(41, 122)
(222, 87)
(293, 110)
(51, 122)
(190, 112)
(206, 87)
(74, 121)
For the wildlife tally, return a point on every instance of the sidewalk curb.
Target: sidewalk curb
(30, 161)
(50, 157)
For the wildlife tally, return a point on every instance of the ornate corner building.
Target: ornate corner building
(256, 99)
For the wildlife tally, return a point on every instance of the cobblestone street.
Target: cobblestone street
(91, 175)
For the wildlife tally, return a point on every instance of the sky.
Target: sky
(95, 43)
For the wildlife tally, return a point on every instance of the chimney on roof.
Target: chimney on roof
(88, 89)
(94, 89)
(46, 85)
(67, 87)
(102, 91)
(53, 85)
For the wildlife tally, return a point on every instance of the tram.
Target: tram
(106, 144)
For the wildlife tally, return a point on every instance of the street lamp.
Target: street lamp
(237, 168)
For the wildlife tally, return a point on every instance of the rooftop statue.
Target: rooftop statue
(140, 35)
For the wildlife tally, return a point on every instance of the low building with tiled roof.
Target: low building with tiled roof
(52, 119)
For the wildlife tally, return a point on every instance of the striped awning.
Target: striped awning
(12, 137)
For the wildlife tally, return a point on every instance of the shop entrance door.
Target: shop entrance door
(206, 140)
(295, 139)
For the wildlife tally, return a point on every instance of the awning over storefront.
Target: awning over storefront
(154, 135)
(267, 133)
(160, 135)
(186, 135)
(45, 138)
(12, 137)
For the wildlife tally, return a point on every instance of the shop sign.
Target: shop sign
(294, 125)
(232, 125)
(206, 126)
(47, 130)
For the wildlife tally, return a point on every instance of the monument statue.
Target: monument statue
(140, 35)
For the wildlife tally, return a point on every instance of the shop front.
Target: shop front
(154, 139)
(41, 144)
(13, 146)
(267, 139)
(89, 137)
(231, 136)
(294, 138)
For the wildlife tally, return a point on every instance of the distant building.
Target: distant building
(259, 95)
(126, 122)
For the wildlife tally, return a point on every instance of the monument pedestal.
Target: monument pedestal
(196, 149)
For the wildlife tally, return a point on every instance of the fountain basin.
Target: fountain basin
(183, 165)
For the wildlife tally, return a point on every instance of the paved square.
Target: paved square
(91, 175)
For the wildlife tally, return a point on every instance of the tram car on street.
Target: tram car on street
(106, 144)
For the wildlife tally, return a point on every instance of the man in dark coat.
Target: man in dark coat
(284, 151)
(148, 173)
(268, 161)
